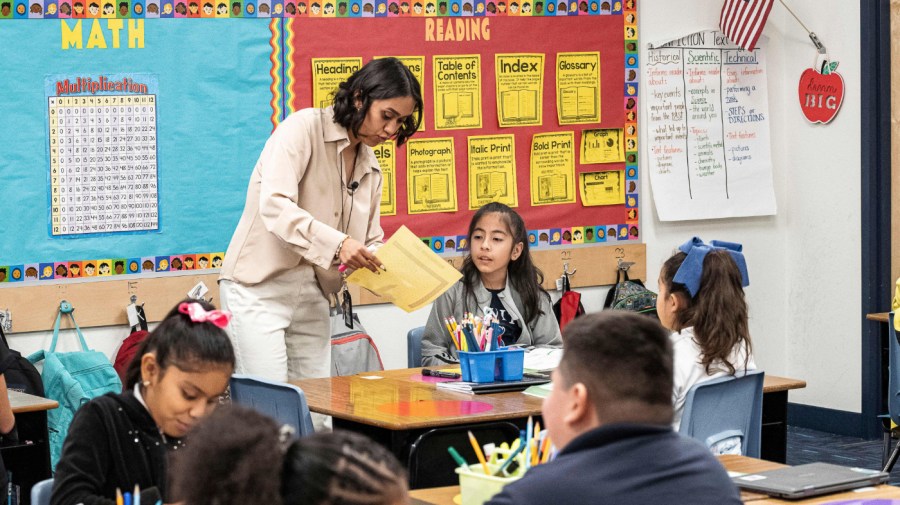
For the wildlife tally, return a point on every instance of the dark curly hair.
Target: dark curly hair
(229, 458)
(379, 79)
(341, 468)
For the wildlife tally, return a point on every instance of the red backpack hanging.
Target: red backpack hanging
(131, 344)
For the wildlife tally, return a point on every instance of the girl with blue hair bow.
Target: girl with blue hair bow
(701, 299)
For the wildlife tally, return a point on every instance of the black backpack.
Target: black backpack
(21, 376)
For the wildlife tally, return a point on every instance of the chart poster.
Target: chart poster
(578, 87)
(416, 65)
(431, 175)
(457, 91)
(603, 146)
(327, 74)
(602, 188)
(708, 130)
(386, 154)
(492, 170)
(101, 133)
(520, 88)
(553, 168)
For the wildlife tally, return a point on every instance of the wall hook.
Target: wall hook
(566, 269)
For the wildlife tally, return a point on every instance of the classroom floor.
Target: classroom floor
(808, 446)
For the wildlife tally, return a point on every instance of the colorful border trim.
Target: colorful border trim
(251, 9)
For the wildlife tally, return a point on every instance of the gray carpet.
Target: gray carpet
(808, 446)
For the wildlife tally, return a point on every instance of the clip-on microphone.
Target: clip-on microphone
(352, 187)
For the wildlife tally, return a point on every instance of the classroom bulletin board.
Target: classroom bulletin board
(128, 138)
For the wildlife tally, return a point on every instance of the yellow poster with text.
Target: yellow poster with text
(520, 89)
(431, 175)
(327, 74)
(602, 188)
(492, 170)
(386, 154)
(457, 91)
(578, 87)
(553, 168)
(416, 65)
(602, 146)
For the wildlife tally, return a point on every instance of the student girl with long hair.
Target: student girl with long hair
(117, 441)
(499, 277)
(701, 299)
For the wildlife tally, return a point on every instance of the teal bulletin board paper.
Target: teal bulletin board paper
(213, 119)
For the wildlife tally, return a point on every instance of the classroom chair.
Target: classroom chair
(430, 465)
(414, 347)
(893, 397)
(283, 402)
(40, 492)
(726, 409)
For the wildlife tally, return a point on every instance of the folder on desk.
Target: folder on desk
(480, 388)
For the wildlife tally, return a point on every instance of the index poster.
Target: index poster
(578, 87)
(492, 170)
(520, 89)
(327, 74)
(553, 168)
(602, 188)
(457, 91)
(386, 154)
(602, 146)
(431, 175)
(416, 65)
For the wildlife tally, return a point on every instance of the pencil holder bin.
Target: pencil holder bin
(476, 487)
(491, 366)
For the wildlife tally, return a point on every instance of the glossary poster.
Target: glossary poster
(708, 129)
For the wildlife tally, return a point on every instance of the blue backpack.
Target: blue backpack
(72, 379)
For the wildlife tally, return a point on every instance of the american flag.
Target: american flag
(743, 20)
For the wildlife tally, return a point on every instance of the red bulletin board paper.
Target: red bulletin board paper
(370, 37)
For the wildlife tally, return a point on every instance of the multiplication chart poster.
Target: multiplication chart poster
(103, 153)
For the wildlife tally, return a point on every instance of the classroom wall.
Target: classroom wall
(804, 293)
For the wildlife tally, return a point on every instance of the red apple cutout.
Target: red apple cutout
(821, 95)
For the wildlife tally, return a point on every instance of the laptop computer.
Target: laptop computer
(812, 479)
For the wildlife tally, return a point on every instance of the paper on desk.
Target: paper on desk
(542, 359)
(415, 275)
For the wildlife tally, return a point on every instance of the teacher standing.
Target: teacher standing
(312, 204)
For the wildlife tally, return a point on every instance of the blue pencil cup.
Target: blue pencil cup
(507, 364)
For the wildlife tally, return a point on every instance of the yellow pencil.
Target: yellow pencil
(119, 499)
(537, 443)
(478, 453)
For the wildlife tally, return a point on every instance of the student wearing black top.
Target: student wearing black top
(120, 440)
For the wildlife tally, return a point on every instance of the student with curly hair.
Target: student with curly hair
(238, 456)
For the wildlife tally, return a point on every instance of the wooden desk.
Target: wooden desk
(881, 317)
(29, 462)
(743, 464)
(398, 406)
(774, 416)
(878, 373)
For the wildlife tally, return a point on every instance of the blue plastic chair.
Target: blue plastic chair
(726, 407)
(283, 402)
(40, 492)
(893, 393)
(414, 347)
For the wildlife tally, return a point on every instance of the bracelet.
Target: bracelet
(337, 252)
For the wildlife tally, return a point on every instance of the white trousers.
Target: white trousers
(281, 328)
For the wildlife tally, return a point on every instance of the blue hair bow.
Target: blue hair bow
(691, 270)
